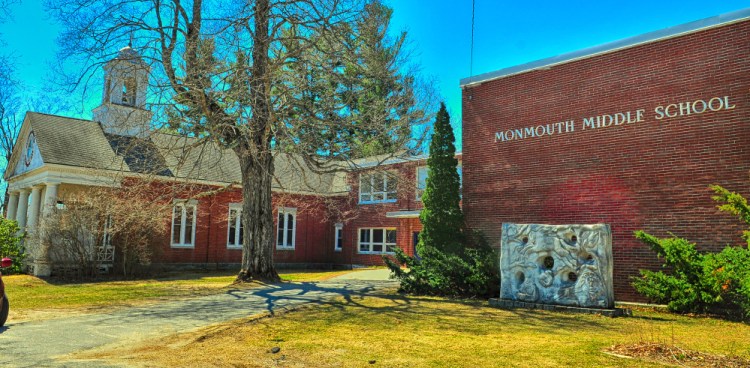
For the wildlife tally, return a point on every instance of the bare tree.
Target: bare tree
(9, 125)
(318, 80)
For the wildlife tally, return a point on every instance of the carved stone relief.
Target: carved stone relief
(557, 264)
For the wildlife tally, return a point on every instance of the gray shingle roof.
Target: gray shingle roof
(73, 142)
(83, 143)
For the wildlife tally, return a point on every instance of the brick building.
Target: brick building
(347, 218)
(629, 133)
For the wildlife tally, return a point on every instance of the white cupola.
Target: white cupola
(122, 111)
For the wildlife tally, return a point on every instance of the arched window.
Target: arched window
(107, 89)
(128, 91)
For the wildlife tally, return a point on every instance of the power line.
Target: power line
(471, 56)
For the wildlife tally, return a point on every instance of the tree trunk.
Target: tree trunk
(256, 161)
(257, 219)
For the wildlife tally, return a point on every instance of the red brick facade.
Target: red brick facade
(316, 219)
(652, 174)
(314, 232)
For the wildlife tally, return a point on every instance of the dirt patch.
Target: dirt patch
(670, 354)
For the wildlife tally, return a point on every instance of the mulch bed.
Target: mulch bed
(669, 354)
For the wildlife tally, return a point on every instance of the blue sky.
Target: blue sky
(506, 33)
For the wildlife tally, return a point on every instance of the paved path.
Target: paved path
(378, 274)
(44, 343)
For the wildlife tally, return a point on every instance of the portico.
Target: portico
(27, 213)
(28, 207)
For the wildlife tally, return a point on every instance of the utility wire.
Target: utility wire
(471, 56)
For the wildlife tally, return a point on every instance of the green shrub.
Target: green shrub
(471, 273)
(10, 245)
(701, 283)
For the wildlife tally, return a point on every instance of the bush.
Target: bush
(473, 272)
(10, 245)
(80, 238)
(701, 283)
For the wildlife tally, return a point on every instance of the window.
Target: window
(460, 170)
(286, 228)
(128, 91)
(107, 236)
(339, 241)
(377, 187)
(235, 233)
(422, 180)
(377, 240)
(105, 254)
(107, 88)
(183, 224)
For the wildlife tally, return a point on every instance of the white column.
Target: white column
(12, 206)
(50, 198)
(36, 198)
(41, 265)
(23, 207)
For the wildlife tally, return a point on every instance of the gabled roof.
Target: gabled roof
(73, 142)
(83, 143)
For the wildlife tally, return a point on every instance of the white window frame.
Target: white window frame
(385, 242)
(338, 242)
(106, 235)
(460, 170)
(183, 206)
(384, 176)
(286, 243)
(234, 243)
(419, 191)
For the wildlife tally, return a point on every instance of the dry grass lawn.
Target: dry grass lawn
(34, 298)
(390, 330)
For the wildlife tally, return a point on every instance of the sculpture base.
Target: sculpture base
(41, 269)
(514, 304)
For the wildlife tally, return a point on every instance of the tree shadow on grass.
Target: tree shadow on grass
(350, 295)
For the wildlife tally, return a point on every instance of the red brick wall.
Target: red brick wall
(650, 175)
(316, 218)
(313, 235)
(373, 215)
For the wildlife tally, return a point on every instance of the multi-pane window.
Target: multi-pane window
(339, 234)
(235, 233)
(183, 225)
(377, 240)
(422, 180)
(377, 187)
(286, 228)
(107, 236)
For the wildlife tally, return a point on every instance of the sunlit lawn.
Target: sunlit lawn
(27, 293)
(397, 331)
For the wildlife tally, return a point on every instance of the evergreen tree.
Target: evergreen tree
(450, 261)
(442, 219)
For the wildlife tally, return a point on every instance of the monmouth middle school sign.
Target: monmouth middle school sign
(661, 112)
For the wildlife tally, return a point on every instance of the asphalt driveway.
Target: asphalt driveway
(47, 343)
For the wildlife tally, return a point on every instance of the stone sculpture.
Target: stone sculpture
(557, 264)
